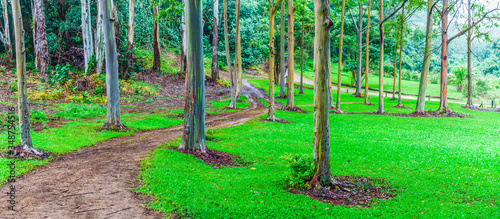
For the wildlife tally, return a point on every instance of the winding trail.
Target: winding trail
(95, 182)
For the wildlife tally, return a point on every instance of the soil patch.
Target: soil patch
(401, 107)
(354, 191)
(212, 157)
(293, 109)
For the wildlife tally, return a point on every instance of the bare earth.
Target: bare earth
(95, 182)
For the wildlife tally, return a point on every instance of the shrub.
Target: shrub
(301, 170)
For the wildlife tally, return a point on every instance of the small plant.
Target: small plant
(39, 116)
(61, 73)
(13, 86)
(301, 170)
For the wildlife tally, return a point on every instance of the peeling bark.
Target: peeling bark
(215, 43)
(87, 33)
(443, 100)
(40, 32)
(194, 124)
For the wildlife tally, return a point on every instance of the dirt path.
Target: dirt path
(95, 182)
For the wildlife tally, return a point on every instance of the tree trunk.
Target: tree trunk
(117, 28)
(367, 55)
(40, 32)
(237, 61)
(302, 50)
(381, 62)
(7, 40)
(113, 120)
(215, 43)
(395, 63)
(426, 63)
(23, 107)
(194, 125)
(272, 51)
(341, 44)
(290, 103)
(232, 78)
(400, 53)
(87, 33)
(282, 50)
(130, 33)
(360, 51)
(321, 148)
(469, 59)
(99, 53)
(156, 43)
(443, 101)
(184, 40)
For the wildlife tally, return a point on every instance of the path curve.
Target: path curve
(95, 182)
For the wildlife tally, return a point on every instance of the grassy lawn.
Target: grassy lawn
(440, 167)
(408, 87)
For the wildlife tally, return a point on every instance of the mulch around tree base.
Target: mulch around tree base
(355, 191)
(293, 109)
(212, 157)
(20, 153)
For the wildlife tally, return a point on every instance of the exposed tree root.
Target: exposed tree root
(348, 191)
(114, 127)
(212, 157)
(274, 119)
(401, 106)
(337, 111)
(468, 106)
(368, 104)
(34, 154)
(293, 109)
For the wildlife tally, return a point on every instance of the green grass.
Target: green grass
(240, 103)
(407, 86)
(147, 56)
(440, 167)
(71, 111)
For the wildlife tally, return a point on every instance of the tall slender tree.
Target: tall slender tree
(184, 40)
(396, 62)
(420, 109)
(87, 33)
(215, 43)
(156, 41)
(40, 32)
(282, 50)
(302, 49)
(290, 103)
(272, 51)
(7, 41)
(22, 84)
(232, 76)
(367, 55)
(321, 144)
(99, 38)
(469, 57)
(194, 125)
(130, 33)
(359, 33)
(401, 25)
(237, 61)
(113, 119)
(341, 43)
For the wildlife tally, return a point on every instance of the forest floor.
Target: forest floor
(95, 182)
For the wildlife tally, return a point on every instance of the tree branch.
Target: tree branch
(473, 25)
(353, 21)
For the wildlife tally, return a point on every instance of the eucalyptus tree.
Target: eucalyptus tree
(341, 41)
(88, 47)
(367, 55)
(156, 41)
(194, 124)
(237, 60)
(40, 38)
(232, 76)
(399, 37)
(184, 40)
(359, 34)
(99, 41)
(215, 43)
(23, 108)
(420, 109)
(302, 49)
(6, 33)
(272, 12)
(290, 103)
(113, 119)
(282, 51)
(402, 29)
(130, 32)
(321, 144)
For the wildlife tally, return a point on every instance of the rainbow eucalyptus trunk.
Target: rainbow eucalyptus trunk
(381, 62)
(6, 38)
(341, 40)
(184, 40)
(272, 51)
(87, 33)
(395, 64)
(469, 59)
(367, 55)
(156, 43)
(23, 107)
(130, 34)
(99, 50)
(443, 100)
(113, 120)
(360, 50)
(40, 32)
(420, 109)
(282, 51)
(237, 61)
(302, 50)
(400, 58)
(321, 148)
(232, 77)
(290, 103)
(215, 43)
(194, 125)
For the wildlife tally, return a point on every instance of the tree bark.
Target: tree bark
(99, 53)
(130, 33)
(360, 50)
(7, 39)
(381, 62)
(321, 145)
(426, 63)
(113, 120)
(282, 51)
(443, 100)
(395, 63)
(367, 55)
(232, 77)
(290, 103)
(302, 50)
(400, 58)
(469, 59)
(22, 84)
(184, 41)
(156, 43)
(41, 47)
(237, 61)
(215, 43)
(194, 125)
(341, 44)
(87, 33)
(272, 51)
